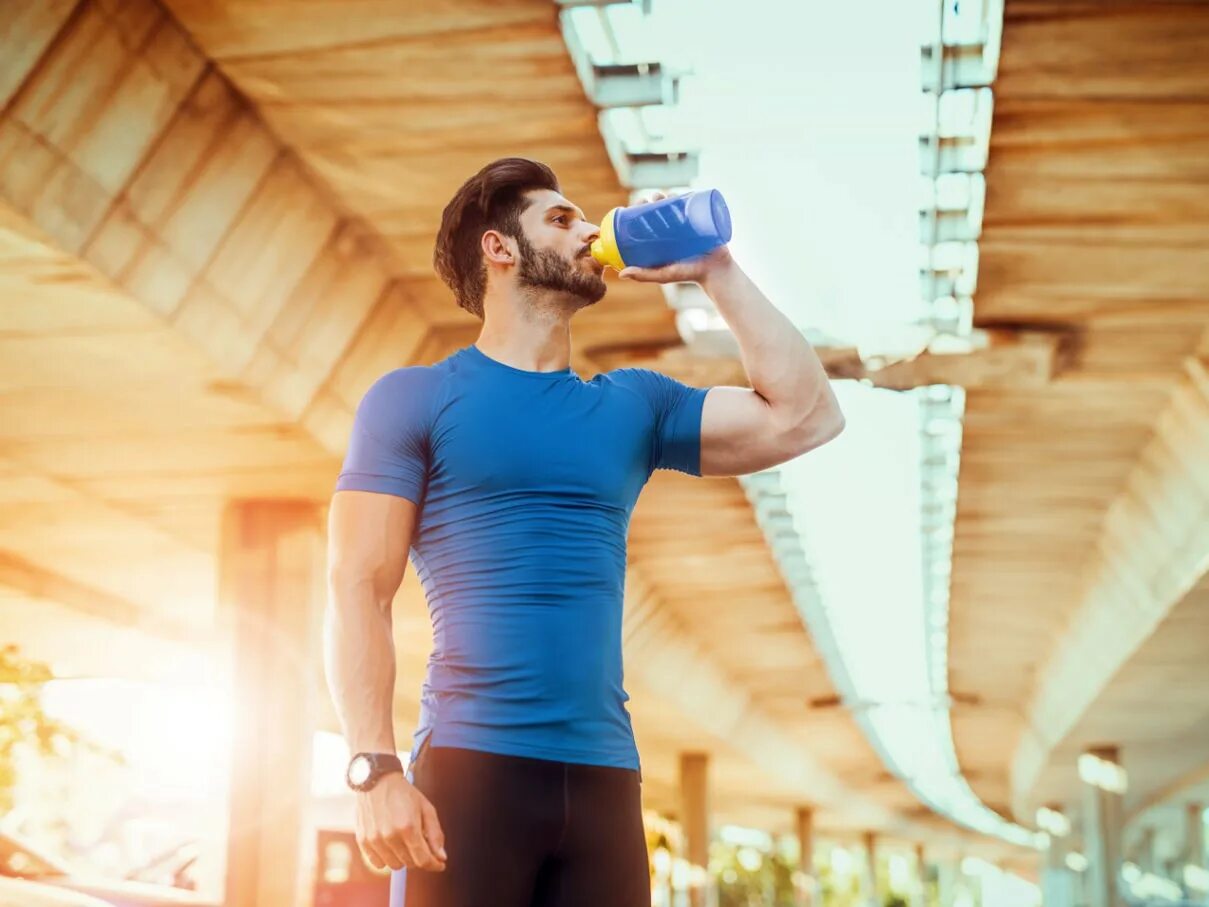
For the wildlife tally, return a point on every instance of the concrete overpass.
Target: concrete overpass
(215, 233)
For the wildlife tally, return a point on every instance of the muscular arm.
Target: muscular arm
(368, 539)
(789, 408)
(369, 535)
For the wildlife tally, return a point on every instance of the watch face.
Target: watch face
(358, 770)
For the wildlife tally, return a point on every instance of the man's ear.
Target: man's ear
(498, 248)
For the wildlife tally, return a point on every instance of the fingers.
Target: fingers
(642, 275)
(433, 833)
(371, 857)
(400, 847)
(372, 854)
(421, 856)
(408, 835)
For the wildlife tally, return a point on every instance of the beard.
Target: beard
(545, 269)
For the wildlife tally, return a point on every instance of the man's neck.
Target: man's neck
(535, 345)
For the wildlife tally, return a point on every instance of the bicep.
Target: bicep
(369, 536)
(741, 433)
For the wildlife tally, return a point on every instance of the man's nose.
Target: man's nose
(591, 232)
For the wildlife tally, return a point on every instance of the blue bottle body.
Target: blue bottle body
(665, 231)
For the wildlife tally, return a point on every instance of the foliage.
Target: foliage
(24, 724)
(747, 878)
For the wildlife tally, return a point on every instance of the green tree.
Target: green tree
(24, 723)
(747, 878)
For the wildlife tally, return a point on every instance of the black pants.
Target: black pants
(523, 832)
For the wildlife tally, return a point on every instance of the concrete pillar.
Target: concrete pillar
(919, 891)
(948, 881)
(271, 588)
(694, 819)
(1194, 852)
(1102, 822)
(1145, 850)
(1081, 887)
(1057, 879)
(804, 825)
(869, 888)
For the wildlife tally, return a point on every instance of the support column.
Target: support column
(1103, 787)
(1057, 879)
(870, 895)
(694, 820)
(1082, 884)
(1193, 877)
(271, 592)
(947, 881)
(1146, 858)
(919, 893)
(804, 823)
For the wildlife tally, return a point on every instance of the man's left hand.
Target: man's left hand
(690, 270)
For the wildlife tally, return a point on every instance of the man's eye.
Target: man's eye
(560, 218)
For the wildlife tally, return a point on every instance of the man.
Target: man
(510, 482)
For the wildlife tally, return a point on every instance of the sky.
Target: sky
(807, 119)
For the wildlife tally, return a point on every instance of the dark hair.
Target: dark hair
(492, 199)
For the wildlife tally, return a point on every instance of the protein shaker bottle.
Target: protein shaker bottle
(661, 232)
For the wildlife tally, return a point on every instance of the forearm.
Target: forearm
(359, 658)
(780, 363)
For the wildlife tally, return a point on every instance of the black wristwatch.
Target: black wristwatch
(364, 769)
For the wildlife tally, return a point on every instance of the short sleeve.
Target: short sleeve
(389, 450)
(677, 408)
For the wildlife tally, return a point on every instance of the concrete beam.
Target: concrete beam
(1009, 359)
(129, 150)
(1153, 550)
(38, 582)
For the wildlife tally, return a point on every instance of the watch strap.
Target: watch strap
(379, 764)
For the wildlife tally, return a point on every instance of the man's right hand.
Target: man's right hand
(397, 826)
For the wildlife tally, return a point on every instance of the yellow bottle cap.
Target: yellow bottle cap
(604, 247)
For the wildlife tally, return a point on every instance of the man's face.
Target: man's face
(554, 249)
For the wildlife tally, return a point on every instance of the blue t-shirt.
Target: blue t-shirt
(525, 482)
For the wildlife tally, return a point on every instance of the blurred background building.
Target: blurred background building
(958, 657)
